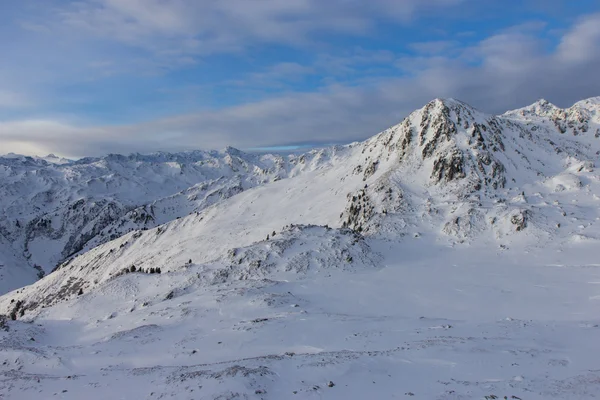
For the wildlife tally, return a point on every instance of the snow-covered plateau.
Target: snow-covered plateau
(455, 255)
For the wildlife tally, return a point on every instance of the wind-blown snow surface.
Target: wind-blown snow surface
(453, 256)
(426, 320)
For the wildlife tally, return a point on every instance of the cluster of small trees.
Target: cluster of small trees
(147, 270)
(133, 269)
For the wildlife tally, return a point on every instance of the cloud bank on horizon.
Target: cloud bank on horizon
(91, 77)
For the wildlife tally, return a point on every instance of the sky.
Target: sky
(92, 77)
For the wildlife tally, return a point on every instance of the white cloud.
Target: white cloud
(207, 26)
(582, 42)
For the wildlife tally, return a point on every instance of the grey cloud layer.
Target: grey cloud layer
(505, 71)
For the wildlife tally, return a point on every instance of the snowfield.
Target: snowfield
(453, 256)
(427, 321)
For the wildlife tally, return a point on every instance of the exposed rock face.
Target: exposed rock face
(520, 219)
(450, 149)
(370, 170)
(448, 168)
(464, 225)
(80, 222)
(453, 141)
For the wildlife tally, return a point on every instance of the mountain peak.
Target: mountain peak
(450, 103)
(540, 108)
(451, 109)
(593, 103)
(542, 104)
(232, 150)
(12, 155)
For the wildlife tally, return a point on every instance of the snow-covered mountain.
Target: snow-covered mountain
(447, 168)
(51, 210)
(446, 150)
(228, 236)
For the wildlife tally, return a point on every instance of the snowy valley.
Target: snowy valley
(452, 256)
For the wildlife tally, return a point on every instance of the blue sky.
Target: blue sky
(90, 77)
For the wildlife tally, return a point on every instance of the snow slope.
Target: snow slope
(14, 269)
(453, 256)
(53, 208)
(425, 322)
